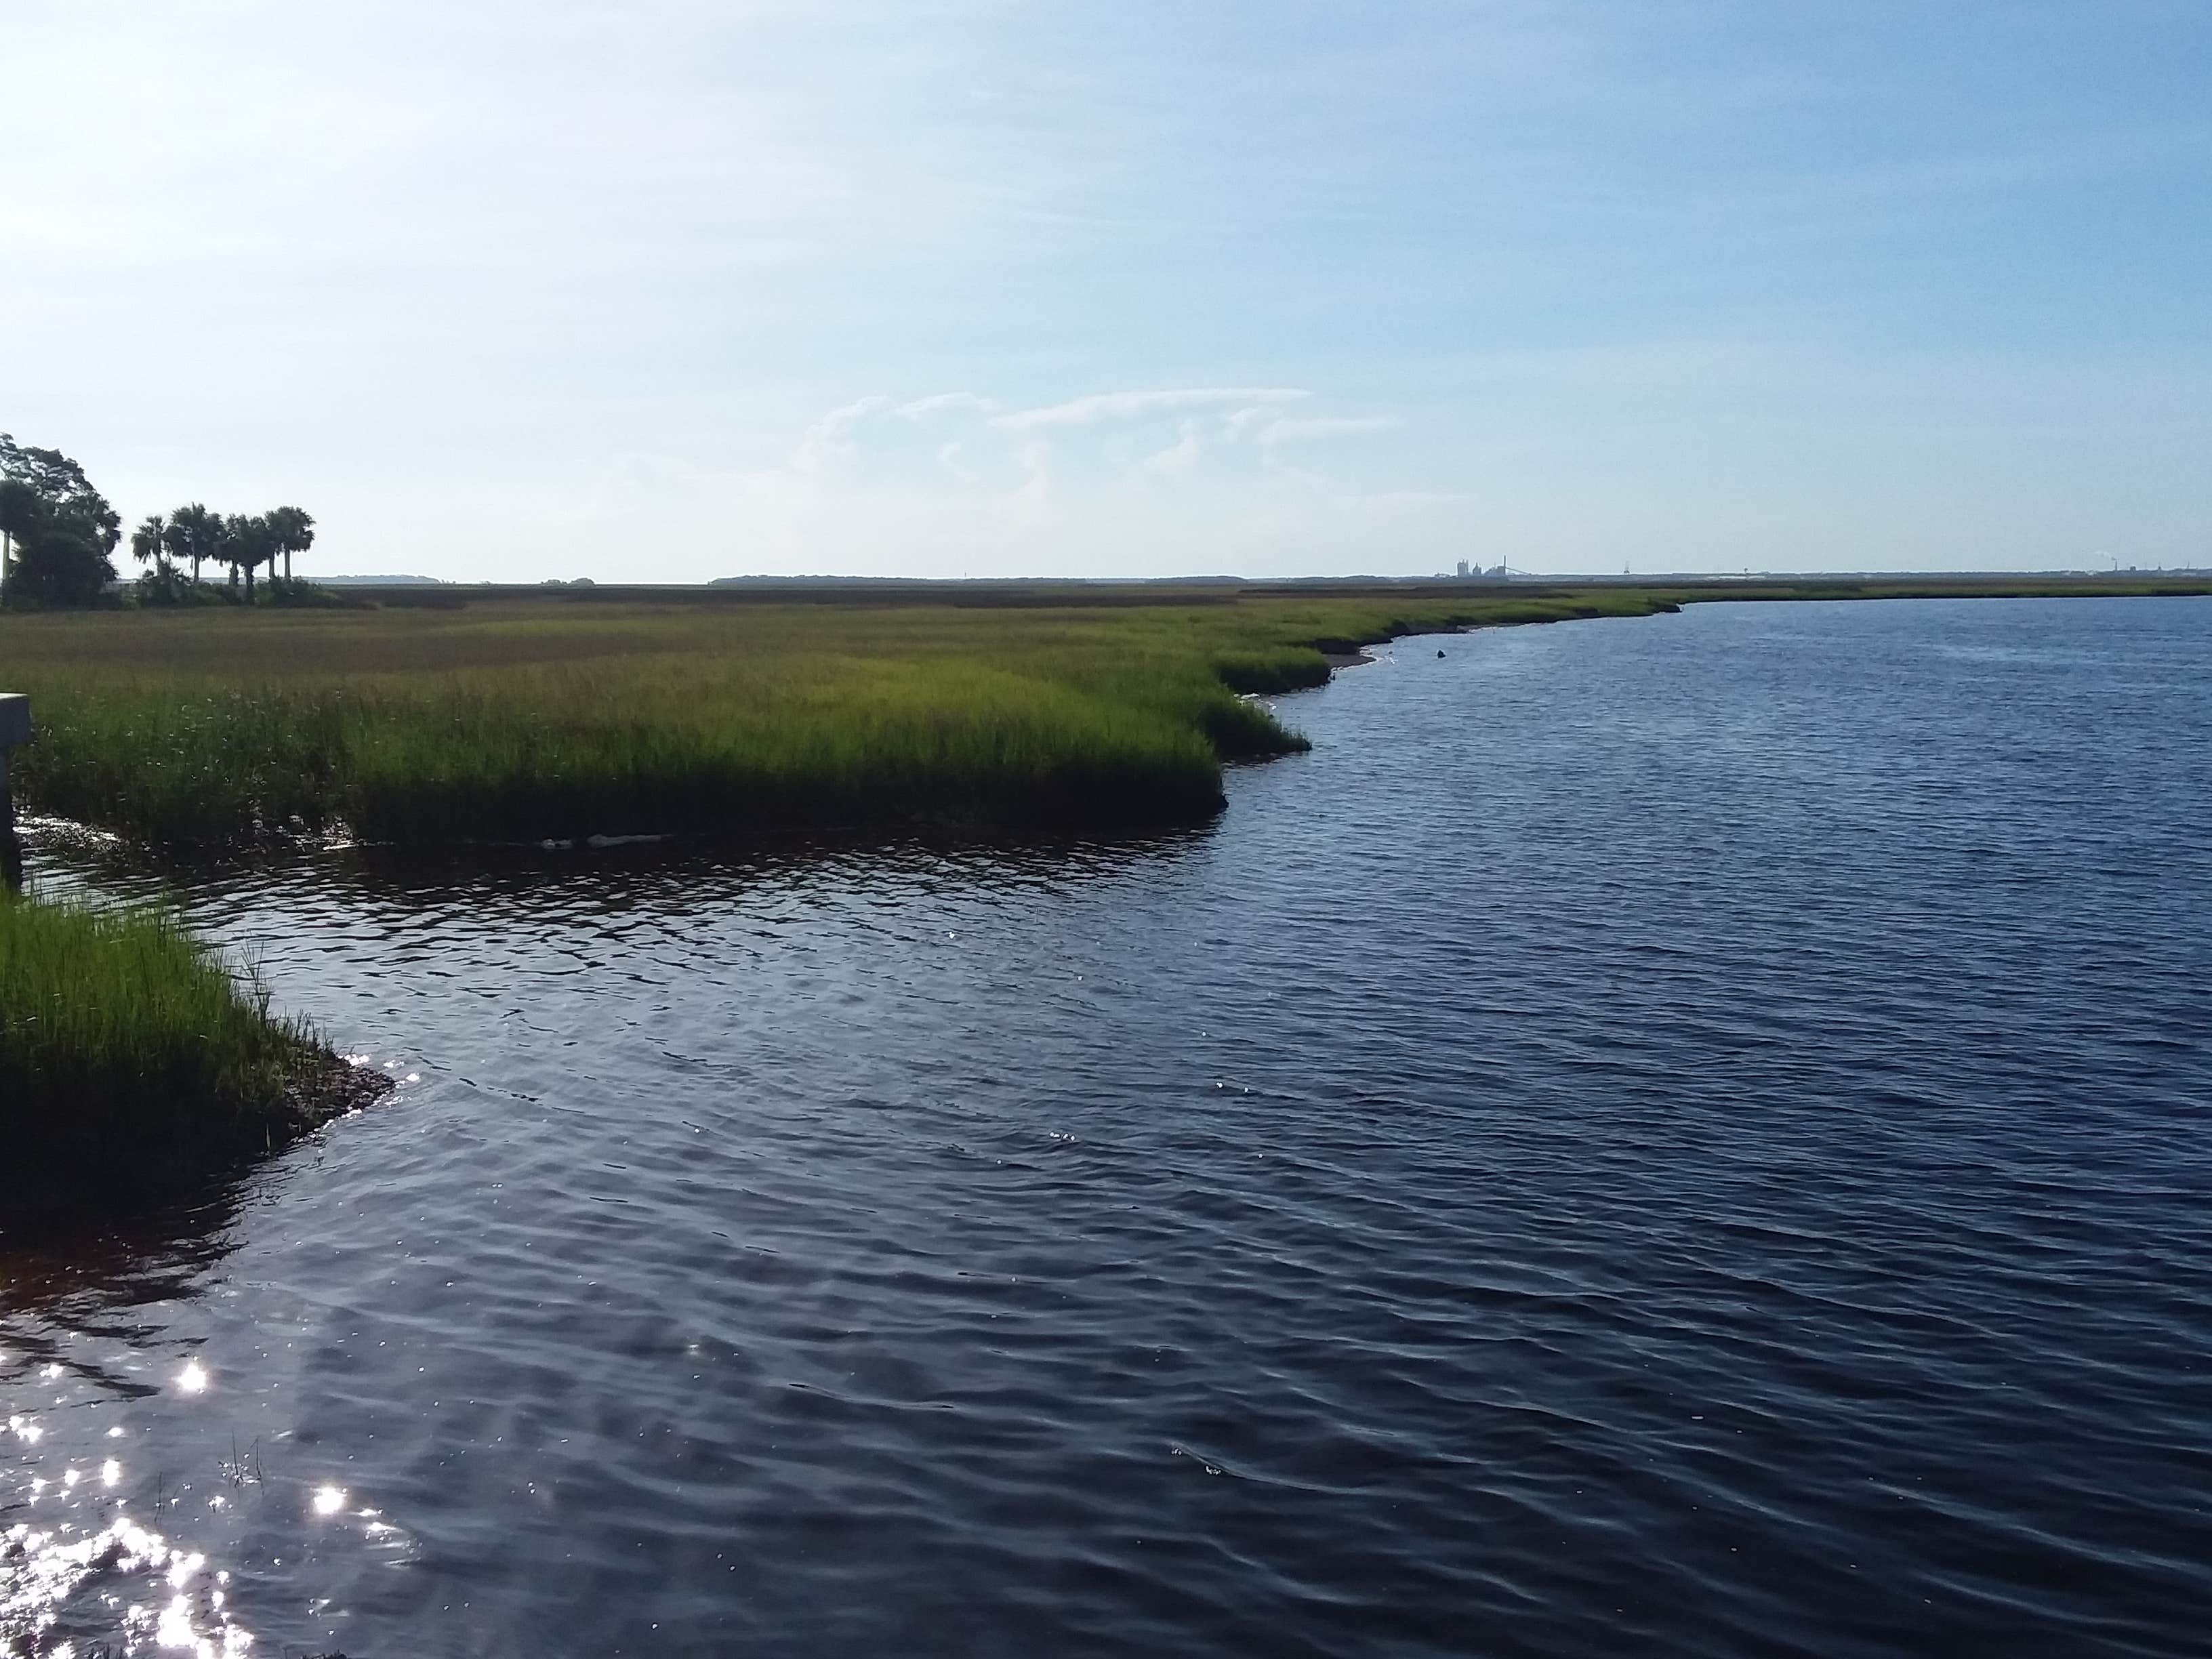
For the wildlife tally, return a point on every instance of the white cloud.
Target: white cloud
(948, 403)
(1179, 458)
(1095, 442)
(1032, 499)
(1106, 406)
(1327, 426)
(830, 436)
(938, 484)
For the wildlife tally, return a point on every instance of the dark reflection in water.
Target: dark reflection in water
(63, 1285)
(1679, 1136)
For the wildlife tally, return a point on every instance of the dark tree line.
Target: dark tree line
(59, 534)
(194, 535)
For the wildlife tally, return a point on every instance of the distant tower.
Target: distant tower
(1462, 572)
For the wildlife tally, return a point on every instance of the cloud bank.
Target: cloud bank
(1143, 482)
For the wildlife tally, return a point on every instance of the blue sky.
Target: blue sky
(668, 291)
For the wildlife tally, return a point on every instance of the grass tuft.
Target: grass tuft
(131, 1058)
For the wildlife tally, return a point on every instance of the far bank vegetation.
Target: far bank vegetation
(58, 537)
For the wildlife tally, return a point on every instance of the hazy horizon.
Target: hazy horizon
(1198, 577)
(684, 291)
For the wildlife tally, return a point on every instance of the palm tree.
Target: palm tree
(260, 549)
(248, 541)
(196, 534)
(233, 545)
(179, 536)
(295, 532)
(147, 542)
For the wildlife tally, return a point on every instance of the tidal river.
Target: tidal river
(1687, 1136)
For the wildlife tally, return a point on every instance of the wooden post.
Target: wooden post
(15, 731)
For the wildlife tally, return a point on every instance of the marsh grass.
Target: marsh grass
(130, 1057)
(524, 717)
(517, 719)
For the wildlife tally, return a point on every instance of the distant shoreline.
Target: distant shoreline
(1189, 590)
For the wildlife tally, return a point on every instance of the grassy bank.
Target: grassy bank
(526, 718)
(455, 716)
(131, 1060)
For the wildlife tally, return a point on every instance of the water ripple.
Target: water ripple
(1684, 1136)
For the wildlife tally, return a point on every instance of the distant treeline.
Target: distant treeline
(58, 535)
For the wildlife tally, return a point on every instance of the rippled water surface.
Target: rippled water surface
(1682, 1136)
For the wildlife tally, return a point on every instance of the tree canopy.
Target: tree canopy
(59, 530)
(294, 532)
(195, 534)
(249, 542)
(60, 484)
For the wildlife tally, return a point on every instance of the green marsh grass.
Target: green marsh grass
(528, 718)
(488, 715)
(129, 1056)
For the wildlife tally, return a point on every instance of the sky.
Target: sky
(666, 290)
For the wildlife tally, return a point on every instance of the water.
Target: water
(1679, 1136)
